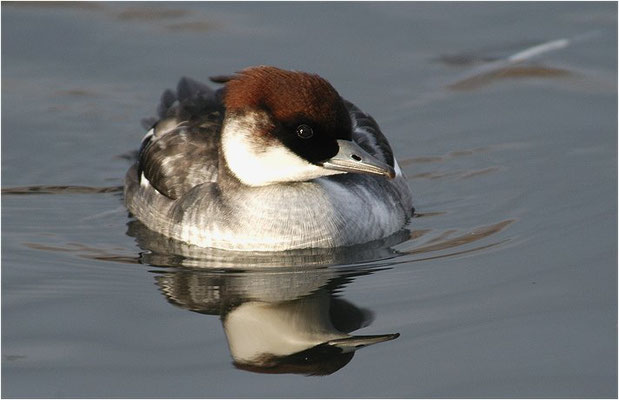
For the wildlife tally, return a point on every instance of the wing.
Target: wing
(180, 150)
(368, 135)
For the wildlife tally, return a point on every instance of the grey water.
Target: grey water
(505, 284)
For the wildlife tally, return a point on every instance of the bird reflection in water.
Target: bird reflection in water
(280, 314)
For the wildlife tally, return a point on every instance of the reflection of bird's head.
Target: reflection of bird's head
(296, 336)
(323, 359)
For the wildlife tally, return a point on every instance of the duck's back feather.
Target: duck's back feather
(181, 150)
(368, 135)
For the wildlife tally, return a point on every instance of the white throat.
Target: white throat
(256, 162)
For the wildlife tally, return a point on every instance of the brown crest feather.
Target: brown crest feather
(287, 95)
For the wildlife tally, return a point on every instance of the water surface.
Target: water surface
(504, 286)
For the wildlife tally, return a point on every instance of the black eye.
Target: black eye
(304, 131)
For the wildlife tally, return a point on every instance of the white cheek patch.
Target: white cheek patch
(257, 165)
